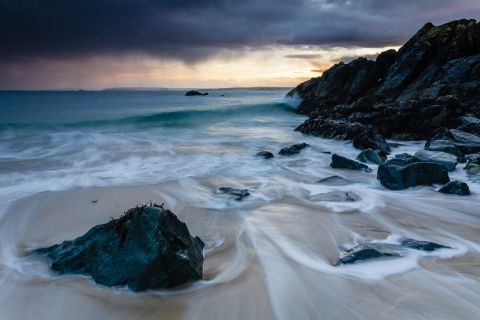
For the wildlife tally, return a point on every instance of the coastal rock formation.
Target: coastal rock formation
(431, 82)
(293, 149)
(339, 162)
(456, 142)
(456, 187)
(362, 136)
(445, 159)
(146, 248)
(398, 174)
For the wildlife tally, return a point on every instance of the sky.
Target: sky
(95, 44)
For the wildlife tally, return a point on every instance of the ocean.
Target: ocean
(72, 159)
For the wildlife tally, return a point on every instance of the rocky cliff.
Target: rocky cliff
(431, 82)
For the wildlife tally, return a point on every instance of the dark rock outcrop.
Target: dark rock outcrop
(469, 123)
(397, 174)
(447, 160)
(339, 162)
(456, 142)
(147, 248)
(265, 154)
(456, 187)
(431, 82)
(195, 93)
(362, 137)
(293, 149)
(372, 156)
(238, 194)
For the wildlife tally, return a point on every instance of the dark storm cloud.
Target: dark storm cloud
(191, 30)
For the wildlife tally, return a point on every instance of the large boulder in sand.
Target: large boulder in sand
(397, 174)
(447, 160)
(146, 248)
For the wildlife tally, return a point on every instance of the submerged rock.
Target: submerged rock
(146, 248)
(397, 174)
(371, 251)
(447, 160)
(366, 252)
(408, 158)
(456, 187)
(372, 156)
(239, 194)
(265, 154)
(334, 181)
(336, 196)
(345, 163)
(293, 149)
(422, 245)
(195, 93)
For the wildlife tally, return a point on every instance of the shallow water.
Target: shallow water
(269, 256)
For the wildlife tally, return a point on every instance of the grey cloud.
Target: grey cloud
(192, 30)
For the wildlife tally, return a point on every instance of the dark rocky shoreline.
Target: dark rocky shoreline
(427, 90)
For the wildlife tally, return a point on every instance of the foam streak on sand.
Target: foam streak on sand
(268, 256)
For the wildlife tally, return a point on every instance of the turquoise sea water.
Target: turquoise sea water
(61, 140)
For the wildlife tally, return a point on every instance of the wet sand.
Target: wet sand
(270, 256)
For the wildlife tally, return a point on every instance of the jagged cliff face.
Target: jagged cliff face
(437, 61)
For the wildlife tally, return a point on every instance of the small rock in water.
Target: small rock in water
(265, 154)
(334, 181)
(146, 248)
(345, 163)
(383, 250)
(373, 156)
(397, 174)
(239, 194)
(456, 187)
(366, 252)
(422, 245)
(336, 196)
(293, 149)
(195, 93)
(447, 160)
